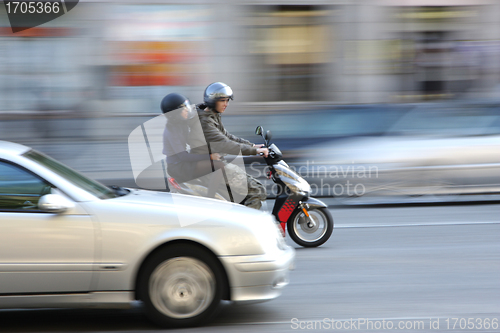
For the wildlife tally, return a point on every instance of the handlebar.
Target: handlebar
(271, 154)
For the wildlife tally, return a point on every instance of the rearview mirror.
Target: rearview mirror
(258, 130)
(54, 203)
(268, 136)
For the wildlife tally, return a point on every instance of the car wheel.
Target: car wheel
(181, 286)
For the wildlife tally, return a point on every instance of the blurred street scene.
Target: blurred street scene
(400, 97)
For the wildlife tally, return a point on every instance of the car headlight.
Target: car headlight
(271, 236)
(280, 236)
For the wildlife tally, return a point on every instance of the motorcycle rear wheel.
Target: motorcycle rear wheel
(308, 234)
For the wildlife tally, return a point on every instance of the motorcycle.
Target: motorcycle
(307, 219)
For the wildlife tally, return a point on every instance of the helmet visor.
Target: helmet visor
(222, 92)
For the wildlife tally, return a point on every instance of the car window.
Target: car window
(20, 190)
(350, 122)
(446, 121)
(337, 122)
(87, 184)
(495, 126)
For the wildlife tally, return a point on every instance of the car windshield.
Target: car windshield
(87, 184)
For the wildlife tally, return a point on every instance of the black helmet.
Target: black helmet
(175, 102)
(216, 91)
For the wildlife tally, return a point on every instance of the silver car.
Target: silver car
(435, 151)
(68, 241)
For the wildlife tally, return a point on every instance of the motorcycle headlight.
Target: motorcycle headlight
(297, 186)
(294, 182)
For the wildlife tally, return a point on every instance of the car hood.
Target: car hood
(224, 227)
(161, 199)
(187, 206)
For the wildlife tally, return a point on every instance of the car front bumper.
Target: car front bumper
(258, 278)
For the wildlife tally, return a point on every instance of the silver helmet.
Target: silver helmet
(216, 91)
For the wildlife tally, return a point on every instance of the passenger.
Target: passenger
(182, 165)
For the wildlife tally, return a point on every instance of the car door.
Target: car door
(41, 252)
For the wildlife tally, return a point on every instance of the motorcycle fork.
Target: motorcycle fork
(304, 207)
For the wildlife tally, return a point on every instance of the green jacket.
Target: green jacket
(219, 140)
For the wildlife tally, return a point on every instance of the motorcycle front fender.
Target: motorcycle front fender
(315, 203)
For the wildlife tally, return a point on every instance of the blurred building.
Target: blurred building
(118, 57)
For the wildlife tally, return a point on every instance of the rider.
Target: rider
(216, 98)
(181, 164)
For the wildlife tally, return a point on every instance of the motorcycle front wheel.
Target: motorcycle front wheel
(313, 231)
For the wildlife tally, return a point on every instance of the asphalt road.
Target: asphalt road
(415, 268)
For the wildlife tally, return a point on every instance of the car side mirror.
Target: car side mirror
(54, 203)
(258, 130)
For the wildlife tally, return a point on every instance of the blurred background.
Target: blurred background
(401, 98)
